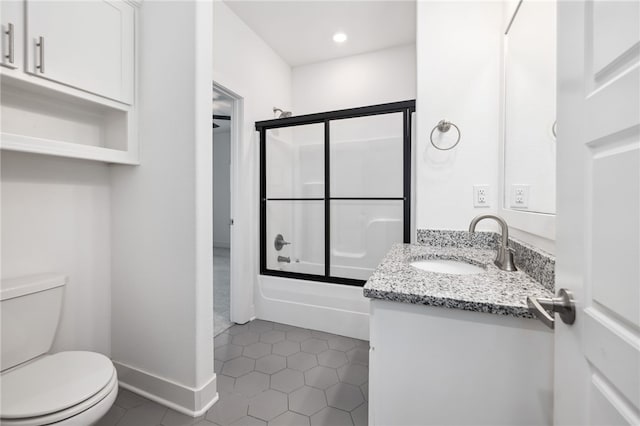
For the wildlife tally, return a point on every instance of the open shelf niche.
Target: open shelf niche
(43, 120)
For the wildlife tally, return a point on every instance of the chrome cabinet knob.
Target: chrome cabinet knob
(563, 304)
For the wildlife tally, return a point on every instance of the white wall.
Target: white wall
(459, 48)
(161, 217)
(221, 188)
(383, 76)
(461, 80)
(246, 65)
(55, 218)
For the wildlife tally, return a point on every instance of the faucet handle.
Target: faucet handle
(279, 242)
(504, 259)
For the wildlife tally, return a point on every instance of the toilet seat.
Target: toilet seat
(57, 387)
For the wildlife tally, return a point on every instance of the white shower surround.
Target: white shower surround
(361, 231)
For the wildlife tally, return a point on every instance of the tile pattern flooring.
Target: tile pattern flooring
(271, 374)
(221, 289)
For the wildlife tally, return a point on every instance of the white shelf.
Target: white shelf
(51, 121)
(34, 145)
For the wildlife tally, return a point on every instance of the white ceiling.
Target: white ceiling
(301, 31)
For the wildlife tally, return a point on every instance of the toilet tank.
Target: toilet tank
(29, 314)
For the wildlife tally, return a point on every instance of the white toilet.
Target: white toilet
(40, 388)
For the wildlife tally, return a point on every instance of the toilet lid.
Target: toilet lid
(53, 383)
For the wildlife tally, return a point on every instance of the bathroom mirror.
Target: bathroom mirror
(530, 109)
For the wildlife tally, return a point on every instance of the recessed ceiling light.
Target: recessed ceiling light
(339, 37)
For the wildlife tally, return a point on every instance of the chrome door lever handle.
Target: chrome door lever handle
(563, 304)
(536, 308)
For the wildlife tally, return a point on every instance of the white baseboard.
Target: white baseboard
(320, 306)
(193, 402)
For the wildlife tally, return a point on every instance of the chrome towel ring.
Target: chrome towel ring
(444, 126)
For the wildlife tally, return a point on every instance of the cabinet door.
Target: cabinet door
(88, 45)
(12, 36)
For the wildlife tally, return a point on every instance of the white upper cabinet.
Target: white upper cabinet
(88, 45)
(68, 77)
(12, 37)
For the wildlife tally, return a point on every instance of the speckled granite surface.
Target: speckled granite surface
(494, 291)
(446, 238)
(539, 264)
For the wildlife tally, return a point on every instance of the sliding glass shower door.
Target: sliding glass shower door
(335, 191)
(367, 192)
(295, 198)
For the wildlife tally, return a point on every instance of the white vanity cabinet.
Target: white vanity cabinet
(12, 36)
(440, 366)
(88, 45)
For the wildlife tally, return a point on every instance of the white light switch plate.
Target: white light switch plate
(481, 196)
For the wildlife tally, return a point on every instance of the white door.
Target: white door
(597, 359)
(88, 45)
(12, 36)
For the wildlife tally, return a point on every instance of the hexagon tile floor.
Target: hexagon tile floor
(271, 374)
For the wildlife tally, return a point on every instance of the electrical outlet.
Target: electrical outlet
(520, 196)
(480, 195)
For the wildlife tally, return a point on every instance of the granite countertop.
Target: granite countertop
(494, 291)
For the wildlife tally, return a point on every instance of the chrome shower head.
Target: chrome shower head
(283, 114)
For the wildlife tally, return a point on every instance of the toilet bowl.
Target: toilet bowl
(40, 388)
(65, 388)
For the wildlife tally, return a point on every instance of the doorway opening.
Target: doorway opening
(223, 120)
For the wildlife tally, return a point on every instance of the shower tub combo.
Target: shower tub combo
(334, 192)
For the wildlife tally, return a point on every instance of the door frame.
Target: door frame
(236, 302)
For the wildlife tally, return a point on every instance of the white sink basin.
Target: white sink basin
(443, 266)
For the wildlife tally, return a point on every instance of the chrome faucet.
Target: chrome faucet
(504, 256)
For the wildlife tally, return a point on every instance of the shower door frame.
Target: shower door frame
(406, 108)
